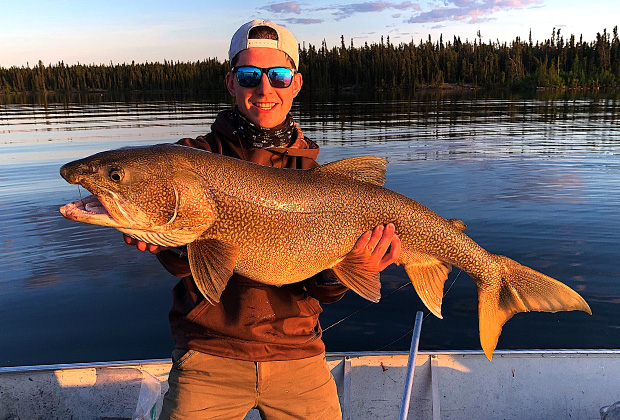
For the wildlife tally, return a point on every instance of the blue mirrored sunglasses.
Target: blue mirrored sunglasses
(250, 76)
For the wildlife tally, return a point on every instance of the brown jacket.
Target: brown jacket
(253, 321)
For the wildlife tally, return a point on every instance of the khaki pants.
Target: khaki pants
(211, 387)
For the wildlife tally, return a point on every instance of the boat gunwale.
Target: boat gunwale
(546, 353)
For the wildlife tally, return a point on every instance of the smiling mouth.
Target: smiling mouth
(266, 106)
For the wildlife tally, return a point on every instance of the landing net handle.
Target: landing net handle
(413, 353)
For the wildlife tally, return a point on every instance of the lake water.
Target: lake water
(536, 178)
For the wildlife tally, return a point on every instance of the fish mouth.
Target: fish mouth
(89, 210)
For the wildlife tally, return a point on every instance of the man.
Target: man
(261, 346)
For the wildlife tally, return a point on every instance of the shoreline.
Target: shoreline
(352, 89)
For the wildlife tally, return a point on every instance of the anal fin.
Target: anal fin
(212, 263)
(428, 275)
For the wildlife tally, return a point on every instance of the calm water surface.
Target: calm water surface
(535, 178)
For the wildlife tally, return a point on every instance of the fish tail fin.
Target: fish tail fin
(519, 289)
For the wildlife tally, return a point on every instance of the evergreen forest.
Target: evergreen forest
(558, 62)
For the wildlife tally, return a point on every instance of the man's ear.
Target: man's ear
(230, 83)
(298, 81)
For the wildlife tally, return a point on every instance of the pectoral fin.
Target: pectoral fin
(357, 277)
(428, 275)
(212, 263)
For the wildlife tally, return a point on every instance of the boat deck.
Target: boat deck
(454, 385)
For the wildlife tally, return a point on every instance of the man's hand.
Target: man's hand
(143, 246)
(373, 245)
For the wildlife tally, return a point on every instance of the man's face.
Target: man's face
(264, 105)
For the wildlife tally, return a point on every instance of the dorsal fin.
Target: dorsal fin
(363, 168)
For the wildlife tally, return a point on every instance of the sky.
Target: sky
(111, 31)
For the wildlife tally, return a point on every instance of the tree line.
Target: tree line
(554, 63)
(204, 75)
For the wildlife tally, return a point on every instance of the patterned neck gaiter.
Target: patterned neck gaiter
(254, 136)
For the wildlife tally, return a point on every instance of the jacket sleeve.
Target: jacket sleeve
(175, 261)
(200, 142)
(325, 287)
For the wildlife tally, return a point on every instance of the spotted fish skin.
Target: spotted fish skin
(281, 226)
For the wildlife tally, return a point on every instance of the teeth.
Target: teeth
(264, 105)
(95, 208)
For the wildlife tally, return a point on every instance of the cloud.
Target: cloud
(348, 10)
(286, 7)
(437, 12)
(302, 21)
(342, 11)
(470, 11)
(292, 7)
(462, 3)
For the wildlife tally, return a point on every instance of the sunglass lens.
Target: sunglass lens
(280, 77)
(248, 76)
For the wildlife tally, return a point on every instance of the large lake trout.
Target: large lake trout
(280, 226)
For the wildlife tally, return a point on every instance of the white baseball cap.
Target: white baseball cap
(286, 41)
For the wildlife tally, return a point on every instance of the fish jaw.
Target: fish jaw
(169, 239)
(89, 210)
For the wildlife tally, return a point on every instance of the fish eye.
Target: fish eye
(116, 174)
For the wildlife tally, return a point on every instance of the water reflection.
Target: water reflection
(535, 177)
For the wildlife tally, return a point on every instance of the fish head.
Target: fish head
(150, 193)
